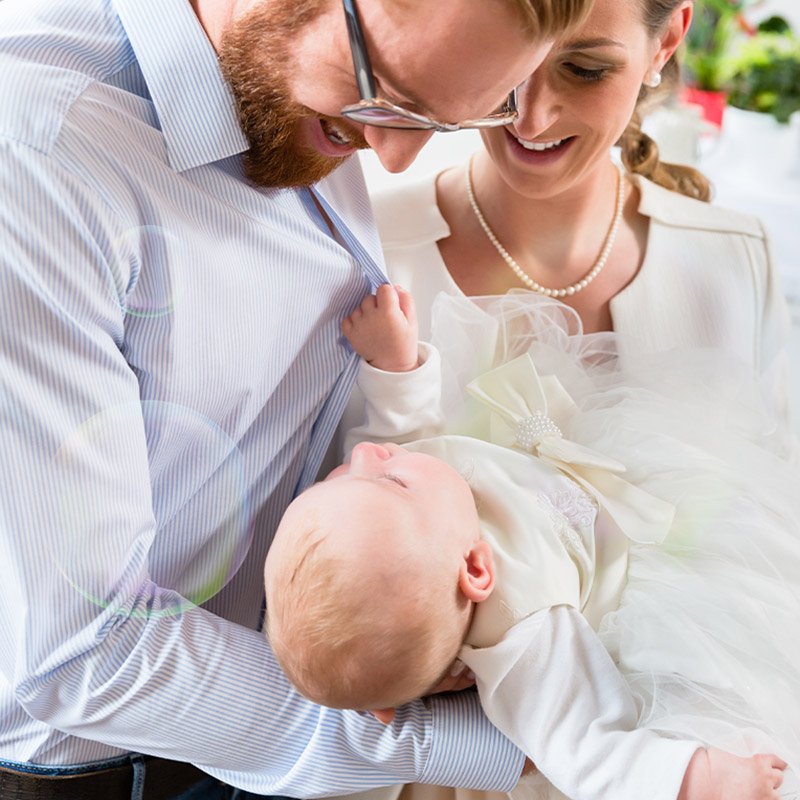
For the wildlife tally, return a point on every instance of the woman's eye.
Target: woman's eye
(588, 74)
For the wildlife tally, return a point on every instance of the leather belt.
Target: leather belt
(163, 779)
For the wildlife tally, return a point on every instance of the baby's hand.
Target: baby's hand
(384, 331)
(715, 774)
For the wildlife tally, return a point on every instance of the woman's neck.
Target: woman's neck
(555, 238)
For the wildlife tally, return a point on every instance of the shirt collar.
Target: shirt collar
(193, 101)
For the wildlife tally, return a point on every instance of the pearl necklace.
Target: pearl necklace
(520, 273)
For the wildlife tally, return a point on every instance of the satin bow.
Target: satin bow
(528, 410)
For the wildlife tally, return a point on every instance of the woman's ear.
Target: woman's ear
(476, 575)
(673, 34)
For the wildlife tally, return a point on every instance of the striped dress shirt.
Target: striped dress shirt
(171, 371)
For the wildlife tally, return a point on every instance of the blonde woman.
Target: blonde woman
(636, 249)
(543, 206)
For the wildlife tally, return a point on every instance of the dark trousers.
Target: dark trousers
(131, 778)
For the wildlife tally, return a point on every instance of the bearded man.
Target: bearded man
(182, 230)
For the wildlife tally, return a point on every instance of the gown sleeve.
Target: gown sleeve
(552, 688)
(398, 407)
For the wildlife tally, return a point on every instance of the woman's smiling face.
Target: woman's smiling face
(577, 104)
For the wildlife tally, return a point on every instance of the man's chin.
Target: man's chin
(300, 174)
(294, 163)
(313, 150)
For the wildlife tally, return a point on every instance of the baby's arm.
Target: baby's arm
(553, 689)
(399, 405)
(383, 330)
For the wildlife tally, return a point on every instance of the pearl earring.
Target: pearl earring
(652, 79)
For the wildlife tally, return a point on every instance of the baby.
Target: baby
(394, 568)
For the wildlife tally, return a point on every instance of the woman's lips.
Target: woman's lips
(540, 152)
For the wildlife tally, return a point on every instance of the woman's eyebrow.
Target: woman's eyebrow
(587, 44)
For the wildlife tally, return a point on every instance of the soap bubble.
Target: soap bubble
(159, 543)
(161, 258)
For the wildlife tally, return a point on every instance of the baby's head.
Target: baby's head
(372, 578)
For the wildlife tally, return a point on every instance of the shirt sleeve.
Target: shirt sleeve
(93, 646)
(553, 689)
(398, 407)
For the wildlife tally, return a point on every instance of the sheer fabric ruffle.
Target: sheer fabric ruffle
(707, 633)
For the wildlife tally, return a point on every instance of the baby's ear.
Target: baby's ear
(385, 715)
(476, 576)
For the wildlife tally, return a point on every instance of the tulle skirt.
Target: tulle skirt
(707, 632)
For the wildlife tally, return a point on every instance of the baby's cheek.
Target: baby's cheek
(342, 469)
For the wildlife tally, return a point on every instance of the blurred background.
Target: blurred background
(737, 119)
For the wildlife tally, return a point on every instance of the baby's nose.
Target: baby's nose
(368, 452)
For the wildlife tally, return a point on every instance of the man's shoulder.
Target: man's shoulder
(51, 53)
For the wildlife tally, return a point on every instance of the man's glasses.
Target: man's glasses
(374, 110)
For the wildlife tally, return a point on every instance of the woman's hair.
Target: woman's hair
(545, 19)
(639, 151)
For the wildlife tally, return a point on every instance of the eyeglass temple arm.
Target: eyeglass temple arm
(358, 48)
(511, 104)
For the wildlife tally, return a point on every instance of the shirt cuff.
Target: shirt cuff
(466, 749)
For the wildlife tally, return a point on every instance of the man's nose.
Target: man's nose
(539, 106)
(396, 149)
